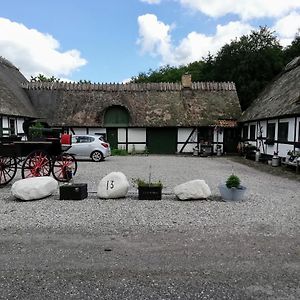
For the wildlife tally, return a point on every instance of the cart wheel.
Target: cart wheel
(8, 169)
(62, 164)
(36, 164)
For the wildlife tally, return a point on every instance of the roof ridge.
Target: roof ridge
(157, 86)
(7, 63)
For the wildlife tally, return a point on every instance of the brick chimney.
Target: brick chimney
(186, 81)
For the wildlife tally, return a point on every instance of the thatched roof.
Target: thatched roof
(13, 99)
(280, 98)
(149, 105)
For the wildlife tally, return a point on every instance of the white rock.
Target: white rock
(34, 188)
(114, 185)
(191, 190)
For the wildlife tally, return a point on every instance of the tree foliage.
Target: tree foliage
(251, 62)
(292, 50)
(43, 78)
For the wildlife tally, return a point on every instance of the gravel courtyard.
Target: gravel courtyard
(168, 249)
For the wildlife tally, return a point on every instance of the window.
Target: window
(245, 132)
(12, 126)
(252, 132)
(271, 131)
(283, 131)
(298, 132)
(82, 139)
(1, 127)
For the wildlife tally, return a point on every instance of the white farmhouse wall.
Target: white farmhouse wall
(182, 136)
(5, 125)
(80, 130)
(284, 148)
(136, 139)
(97, 130)
(122, 136)
(137, 135)
(298, 129)
(262, 129)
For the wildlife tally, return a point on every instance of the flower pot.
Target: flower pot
(233, 194)
(149, 192)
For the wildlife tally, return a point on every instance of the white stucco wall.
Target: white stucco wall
(5, 125)
(121, 135)
(96, 130)
(137, 135)
(182, 136)
(80, 130)
(298, 130)
(281, 148)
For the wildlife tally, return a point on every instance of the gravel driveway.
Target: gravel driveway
(130, 249)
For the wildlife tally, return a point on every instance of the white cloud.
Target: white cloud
(35, 52)
(246, 9)
(155, 39)
(151, 1)
(287, 27)
(154, 36)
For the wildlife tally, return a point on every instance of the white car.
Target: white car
(92, 146)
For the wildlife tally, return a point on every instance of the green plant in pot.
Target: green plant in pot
(232, 190)
(148, 190)
(233, 181)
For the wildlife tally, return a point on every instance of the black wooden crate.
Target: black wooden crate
(75, 191)
(149, 193)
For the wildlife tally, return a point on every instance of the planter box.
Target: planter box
(76, 191)
(233, 194)
(149, 192)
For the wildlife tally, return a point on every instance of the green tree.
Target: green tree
(251, 62)
(43, 78)
(84, 81)
(293, 50)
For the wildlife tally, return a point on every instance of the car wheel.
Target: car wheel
(97, 156)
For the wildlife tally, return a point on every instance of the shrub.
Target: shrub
(140, 182)
(120, 152)
(233, 181)
(36, 130)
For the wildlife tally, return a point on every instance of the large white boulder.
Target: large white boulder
(192, 190)
(112, 186)
(34, 188)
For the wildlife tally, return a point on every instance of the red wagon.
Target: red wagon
(36, 158)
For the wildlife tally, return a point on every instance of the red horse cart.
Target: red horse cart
(37, 157)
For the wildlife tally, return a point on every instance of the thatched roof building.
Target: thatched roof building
(280, 98)
(148, 105)
(13, 98)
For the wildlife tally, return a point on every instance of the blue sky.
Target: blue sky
(111, 41)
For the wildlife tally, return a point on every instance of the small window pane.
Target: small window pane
(283, 131)
(12, 126)
(245, 132)
(252, 132)
(271, 131)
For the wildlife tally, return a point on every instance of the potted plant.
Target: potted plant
(148, 190)
(232, 190)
